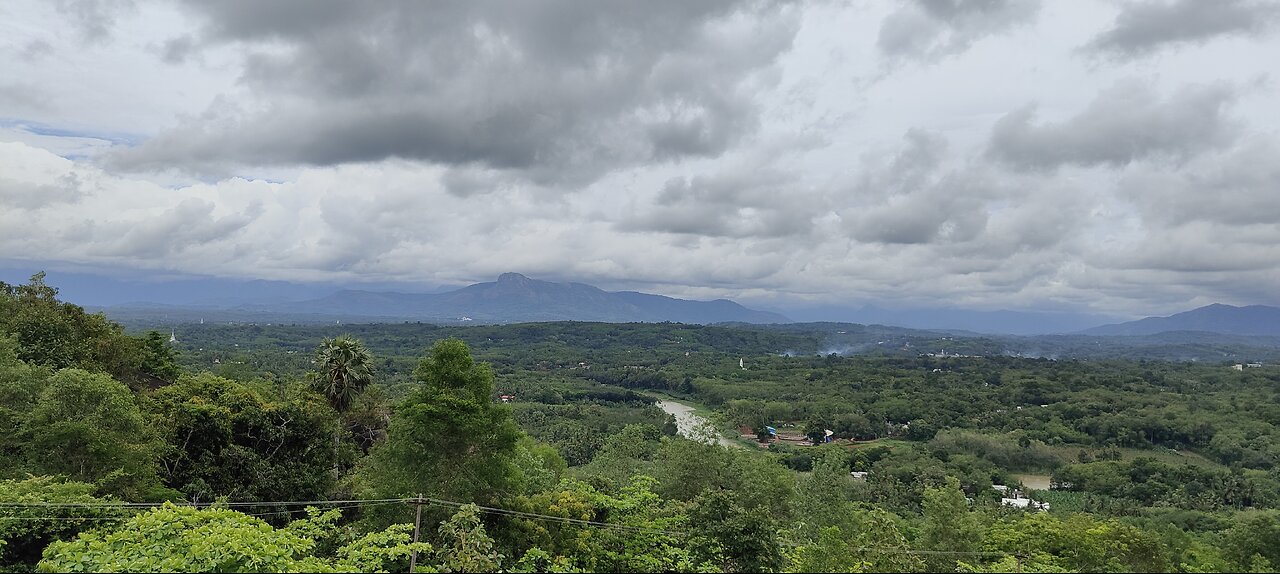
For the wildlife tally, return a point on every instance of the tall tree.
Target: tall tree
(872, 543)
(948, 526)
(20, 387)
(225, 438)
(739, 537)
(89, 427)
(1252, 541)
(448, 438)
(58, 335)
(158, 358)
(344, 367)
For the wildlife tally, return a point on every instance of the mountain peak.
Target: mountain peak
(513, 278)
(515, 297)
(1215, 318)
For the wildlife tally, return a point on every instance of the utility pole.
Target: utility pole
(417, 526)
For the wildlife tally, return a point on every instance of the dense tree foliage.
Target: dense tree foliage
(27, 527)
(227, 439)
(55, 334)
(535, 448)
(90, 428)
(174, 539)
(447, 439)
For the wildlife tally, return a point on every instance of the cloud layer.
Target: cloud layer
(1145, 27)
(933, 29)
(549, 90)
(1125, 123)
(704, 149)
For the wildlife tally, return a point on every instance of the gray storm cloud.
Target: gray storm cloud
(1236, 186)
(1144, 27)
(94, 19)
(933, 29)
(550, 90)
(191, 222)
(744, 203)
(1125, 123)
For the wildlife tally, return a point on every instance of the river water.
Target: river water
(687, 421)
(1034, 481)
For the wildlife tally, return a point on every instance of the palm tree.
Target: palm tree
(344, 367)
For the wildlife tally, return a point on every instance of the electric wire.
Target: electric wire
(349, 504)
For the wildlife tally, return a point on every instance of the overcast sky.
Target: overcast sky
(1111, 157)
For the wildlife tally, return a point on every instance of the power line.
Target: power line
(196, 504)
(551, 518)
(933, 552)
(137, 507)
(63, 518)
(348, 504)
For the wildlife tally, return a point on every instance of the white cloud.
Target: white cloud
(751, 169)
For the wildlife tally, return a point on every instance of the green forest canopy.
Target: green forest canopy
(114, 445)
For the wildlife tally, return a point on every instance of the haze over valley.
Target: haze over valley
(646, 286)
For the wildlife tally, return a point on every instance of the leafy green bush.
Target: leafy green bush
(183, 539)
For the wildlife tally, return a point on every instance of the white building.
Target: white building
(1024, 503)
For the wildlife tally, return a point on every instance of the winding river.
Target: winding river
(687, 421)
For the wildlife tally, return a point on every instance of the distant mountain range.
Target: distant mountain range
(1217, 318)
(515, 298)
(1002, 322)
